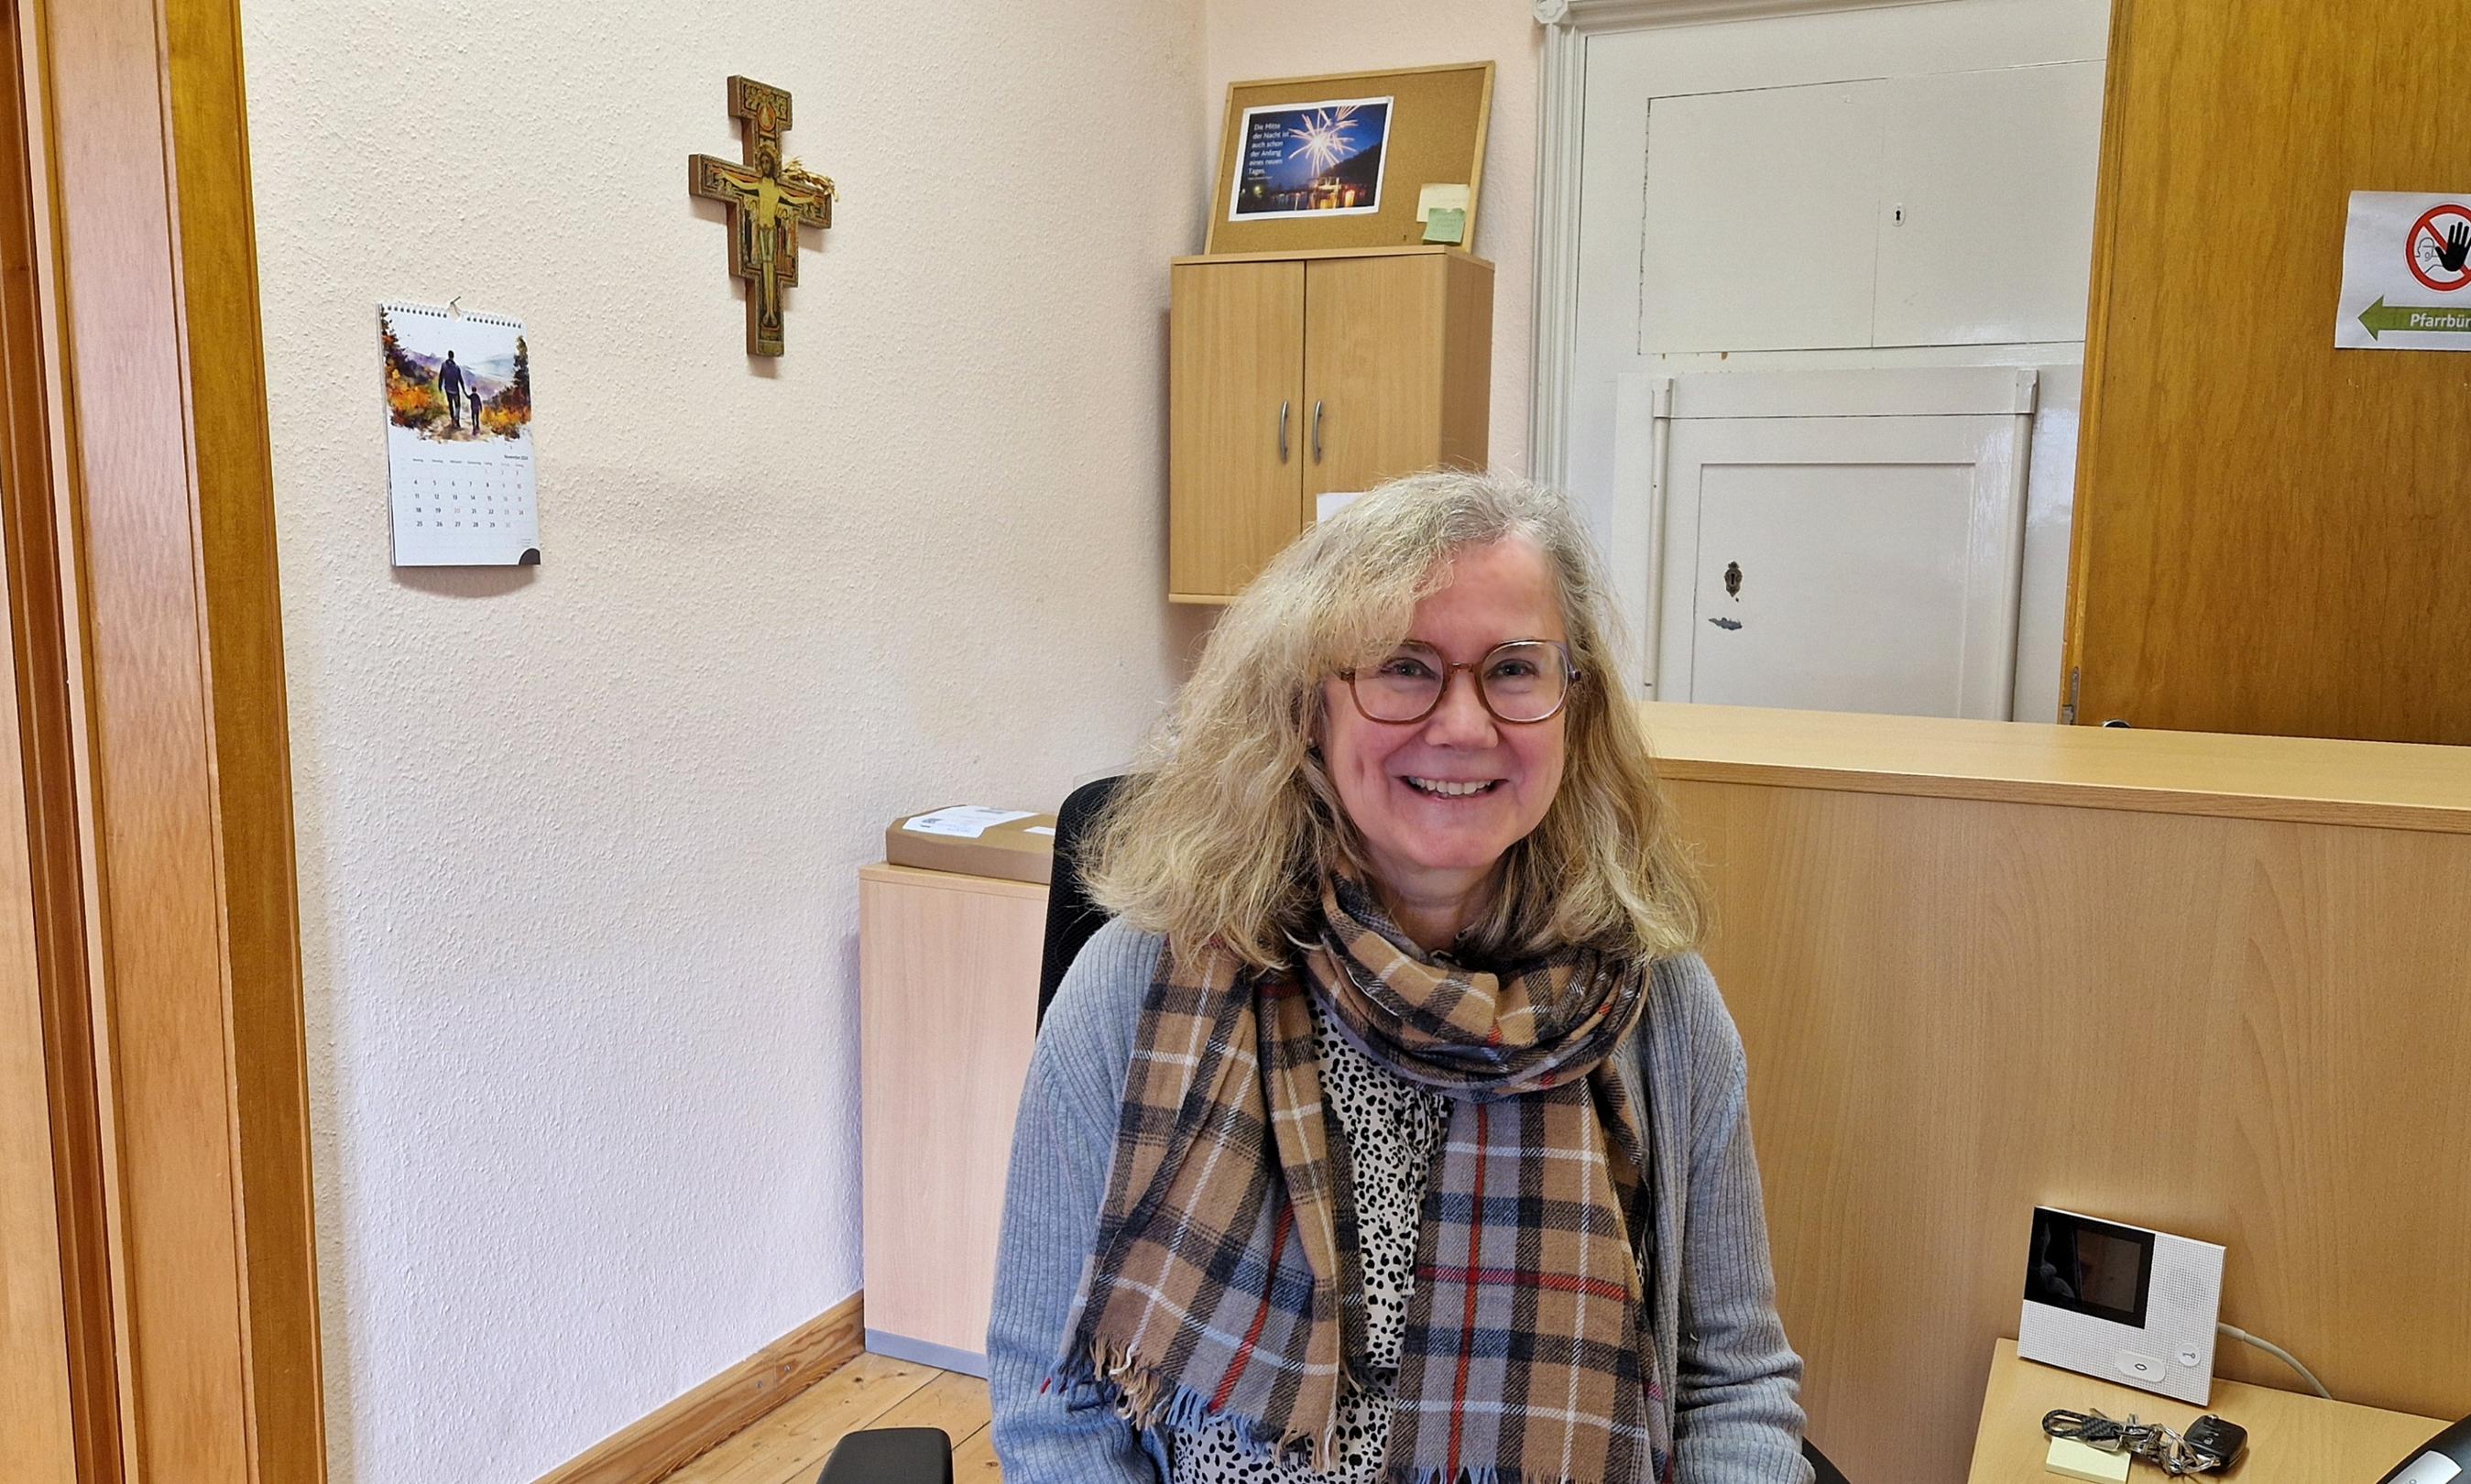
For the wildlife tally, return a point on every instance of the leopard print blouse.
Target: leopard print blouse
(1395, 1131)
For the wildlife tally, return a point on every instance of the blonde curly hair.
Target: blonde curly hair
(1223, 829)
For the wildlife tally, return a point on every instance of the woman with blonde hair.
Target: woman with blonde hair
(1393, 1130)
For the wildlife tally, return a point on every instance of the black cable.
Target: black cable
(2209, 1442)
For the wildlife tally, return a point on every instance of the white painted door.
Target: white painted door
(1876, 185)
(1827, 548)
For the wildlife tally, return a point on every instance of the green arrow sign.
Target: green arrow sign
(2378, 318)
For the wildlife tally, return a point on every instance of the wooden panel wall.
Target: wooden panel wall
(2272, 535)
(2245, 1031)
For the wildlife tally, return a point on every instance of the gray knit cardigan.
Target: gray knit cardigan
(1734, 1378)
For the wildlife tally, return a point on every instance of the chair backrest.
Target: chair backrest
(891, 1455)
(1071, 916)
(1826, 1472)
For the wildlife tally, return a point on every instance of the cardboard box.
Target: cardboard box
(974, 841)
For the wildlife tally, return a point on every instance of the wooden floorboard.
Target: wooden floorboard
(789, 1446)
(973, 1462)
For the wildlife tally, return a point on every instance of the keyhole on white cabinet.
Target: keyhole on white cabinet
(1733, 581)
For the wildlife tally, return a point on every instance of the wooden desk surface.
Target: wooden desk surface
(2404, 786)
(2292, 1438)
(885, 873)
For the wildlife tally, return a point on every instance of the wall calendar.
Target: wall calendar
(458, 401)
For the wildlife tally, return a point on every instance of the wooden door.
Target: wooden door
(2272, 535)
(1235, 406)
(1375, 328)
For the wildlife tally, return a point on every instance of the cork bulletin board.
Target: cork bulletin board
(1340, 160)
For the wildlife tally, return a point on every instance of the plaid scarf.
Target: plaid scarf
(1223, 1280)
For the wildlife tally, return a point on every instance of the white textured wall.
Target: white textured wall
(1279, 38)
(576, 845)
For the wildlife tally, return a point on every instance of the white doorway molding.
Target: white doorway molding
(1562, 107)
(1605, 236)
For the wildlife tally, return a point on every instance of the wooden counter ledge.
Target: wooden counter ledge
(2401, 785)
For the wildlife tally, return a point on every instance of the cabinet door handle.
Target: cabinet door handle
(1283, 433)
(1316, 430)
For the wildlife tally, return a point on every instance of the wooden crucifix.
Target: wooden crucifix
(768, 199)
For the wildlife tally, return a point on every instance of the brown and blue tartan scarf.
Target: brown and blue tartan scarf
(1225, 1281)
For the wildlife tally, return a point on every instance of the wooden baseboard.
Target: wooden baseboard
(723, 1406)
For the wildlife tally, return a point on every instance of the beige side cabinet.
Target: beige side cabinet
(948, 1011)
(1294, 376)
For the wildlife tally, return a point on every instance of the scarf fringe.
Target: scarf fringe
(1470, 1474)
(1147, 1398)
(1106, 1376)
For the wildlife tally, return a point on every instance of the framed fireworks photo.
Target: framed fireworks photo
(1343, 160)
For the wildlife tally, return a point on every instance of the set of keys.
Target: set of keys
(2209, 1444)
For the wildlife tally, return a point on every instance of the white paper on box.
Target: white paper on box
(965, 821)
(1040, 828)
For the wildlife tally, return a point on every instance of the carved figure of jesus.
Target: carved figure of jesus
(768, 199)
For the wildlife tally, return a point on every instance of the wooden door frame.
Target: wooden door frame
(146, 634)
(57, 1400)
(2106, 229)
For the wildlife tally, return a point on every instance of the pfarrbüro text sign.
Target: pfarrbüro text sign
(2406, 273)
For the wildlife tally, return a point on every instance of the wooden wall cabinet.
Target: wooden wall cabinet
(1295, 376)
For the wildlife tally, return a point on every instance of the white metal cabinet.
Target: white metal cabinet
(1946, 209)
(1840, 541)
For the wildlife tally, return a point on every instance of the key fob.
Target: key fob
(2220, 1441)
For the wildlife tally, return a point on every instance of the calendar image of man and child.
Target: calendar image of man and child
(456, 378)
(459, 436)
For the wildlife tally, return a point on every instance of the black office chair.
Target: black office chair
(891, 1455)
(1072, 917)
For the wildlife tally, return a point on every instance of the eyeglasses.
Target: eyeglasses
(1521, 682)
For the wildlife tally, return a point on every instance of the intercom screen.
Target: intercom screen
(2091, 1268)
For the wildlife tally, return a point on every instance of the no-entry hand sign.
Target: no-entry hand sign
(2438, 246)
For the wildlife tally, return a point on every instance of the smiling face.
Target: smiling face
(1438, 801)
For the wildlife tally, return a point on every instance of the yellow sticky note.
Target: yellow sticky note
(2071, 1459)
(1440, 198)
(1447, 226)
